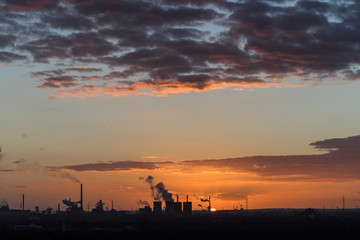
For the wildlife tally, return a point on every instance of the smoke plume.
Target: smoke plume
(26, 165)
(204, 200)
(70, 177)
(141, 202)
(159, 192)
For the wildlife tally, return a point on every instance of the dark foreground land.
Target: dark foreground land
(254, 224)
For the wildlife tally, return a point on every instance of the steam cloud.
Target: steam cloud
(159, 192)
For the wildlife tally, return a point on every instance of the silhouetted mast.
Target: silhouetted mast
(81, 197)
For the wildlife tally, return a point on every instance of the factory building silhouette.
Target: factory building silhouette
(171, 208)
(75, 206)
(163, 204)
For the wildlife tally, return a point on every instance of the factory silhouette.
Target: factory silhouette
(170, 219)
(159, 193)
(171, 207)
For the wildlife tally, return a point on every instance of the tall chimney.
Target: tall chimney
(187, 198)
(23, 202)
(177, 198)
(81, 197)
(209, 204)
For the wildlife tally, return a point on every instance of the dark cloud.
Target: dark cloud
(6, 40)
(348, 145)
(146, 13)
(173, 46)
(313, 6)
(194, 2)
(58, 82)
(341, 163)
(51, 46)
(28, 5)
(69, 22)
(8, 170)
(10, 57)
(113, 166)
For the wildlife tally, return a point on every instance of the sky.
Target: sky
(233, 99)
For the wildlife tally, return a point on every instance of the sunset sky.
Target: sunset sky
(228, 98)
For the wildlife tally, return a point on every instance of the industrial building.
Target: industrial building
(174, 208)
(146, 210)
(76, 206)
(157, 207)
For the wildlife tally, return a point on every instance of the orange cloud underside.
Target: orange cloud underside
(161, 90)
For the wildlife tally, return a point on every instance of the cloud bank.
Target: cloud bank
(169, 46)
(341, 163)
(113, 166)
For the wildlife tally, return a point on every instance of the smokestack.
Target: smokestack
(187, 207)
(177, 206)
(209, 204)
(81, 197)
(23, 202)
